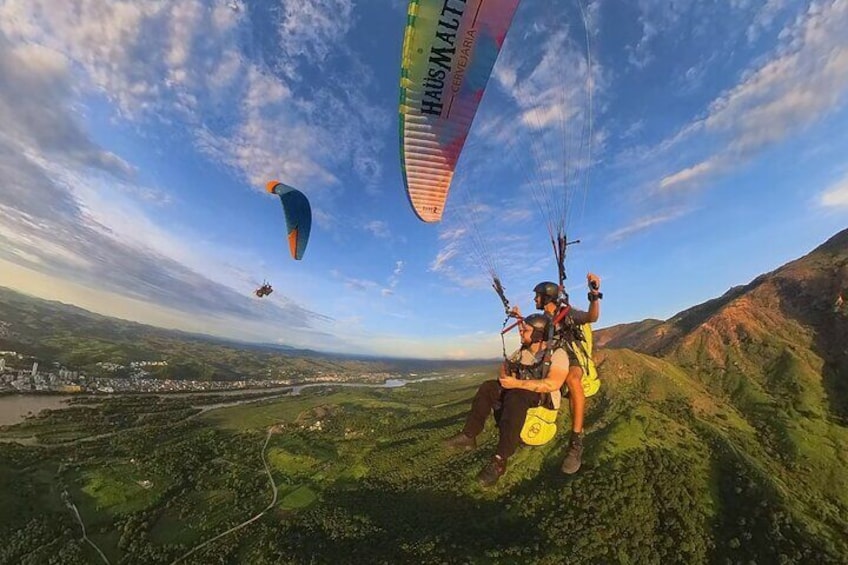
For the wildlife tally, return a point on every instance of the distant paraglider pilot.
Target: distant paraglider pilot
(264, 290)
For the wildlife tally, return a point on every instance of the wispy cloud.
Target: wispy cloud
(74, 213)
(35, 108)
(655, 18)
(310, 30)
(440, 263)
(836, 195)
(685, 177)
(805, 80)
(547, 76)
(765, 18)
(188, 63)
(368, 285)
(378, 228)
(360, 284)
(394, 280)
(645, 222)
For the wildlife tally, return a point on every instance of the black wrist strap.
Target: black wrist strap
(595, 296)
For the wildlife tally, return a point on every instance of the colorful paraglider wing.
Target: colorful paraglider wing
(449, 50)
(298, 216)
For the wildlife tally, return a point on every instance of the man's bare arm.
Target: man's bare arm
(554, 380)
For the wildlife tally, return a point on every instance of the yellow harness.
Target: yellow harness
(540, 423)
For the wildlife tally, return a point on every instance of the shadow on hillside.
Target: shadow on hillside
(451, 422)
(812, 307)
(831, 344)
(464, 402)
(380, 524)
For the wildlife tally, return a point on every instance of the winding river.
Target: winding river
(15, 408)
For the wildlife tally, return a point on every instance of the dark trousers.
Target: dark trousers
(510, 409)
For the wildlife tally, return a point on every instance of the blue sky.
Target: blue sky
(137, 137)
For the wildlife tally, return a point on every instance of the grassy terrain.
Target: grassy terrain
(671, 473)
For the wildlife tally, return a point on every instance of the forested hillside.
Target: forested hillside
(672, 474)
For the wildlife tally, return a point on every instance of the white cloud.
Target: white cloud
(835, 196)
(184, 62)
(764, 18)
(74, 212)
(633, 129)
(378, 228)
(33, 240)
(805, 80)
(360, 284)
(367, 285)
(655, 18)
(641, 224)
(310, 30)
(446, 254)
(452, 233)
(640, 54)
(35, 92)
(688, 175)
(517, 215)
(394, 279)
(554, 92)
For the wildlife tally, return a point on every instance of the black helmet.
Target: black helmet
(549, 291)
(539, 323)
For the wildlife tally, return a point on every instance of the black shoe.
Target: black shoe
(461, 441)
(574, 455)
(492, 472)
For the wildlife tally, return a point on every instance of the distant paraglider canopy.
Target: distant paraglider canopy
(298, 214)
(263, 290)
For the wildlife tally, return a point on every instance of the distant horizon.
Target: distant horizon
(281, 346)
(257, 344)
(691, 147)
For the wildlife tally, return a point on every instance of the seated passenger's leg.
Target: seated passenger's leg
(487, 399)
(516, 403)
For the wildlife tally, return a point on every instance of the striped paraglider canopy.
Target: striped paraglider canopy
(449, 50)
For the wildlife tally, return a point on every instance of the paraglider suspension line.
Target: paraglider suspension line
(496, 284)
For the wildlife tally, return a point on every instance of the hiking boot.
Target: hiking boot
(492, 472)
(574, 455)
(461, 441)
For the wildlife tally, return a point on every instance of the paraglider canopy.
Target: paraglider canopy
(449, 49)
(298, 214)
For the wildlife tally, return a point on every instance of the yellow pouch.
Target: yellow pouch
(583, 352)
(539, 426)
(590, 386)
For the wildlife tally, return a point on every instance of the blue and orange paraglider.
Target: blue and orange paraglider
(298, 216)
